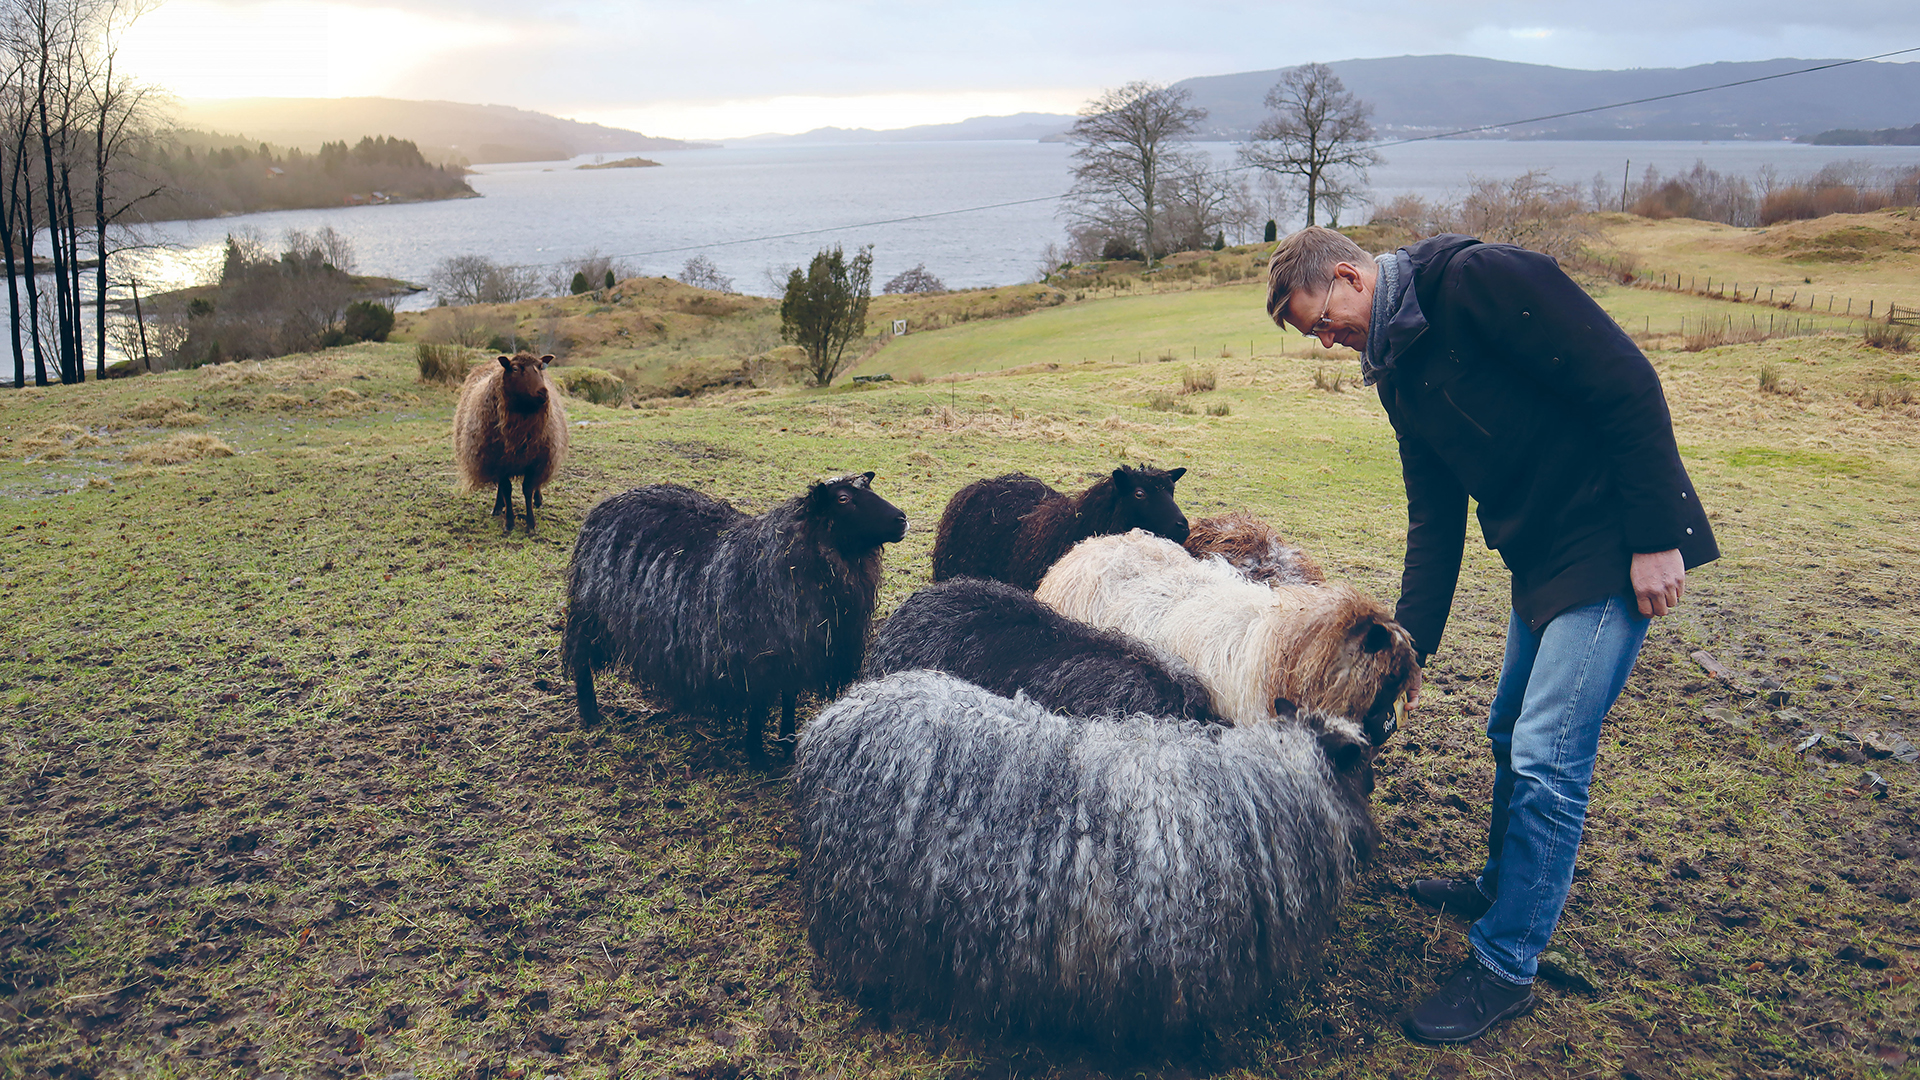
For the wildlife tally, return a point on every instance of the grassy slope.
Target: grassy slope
(1865, 256)
(293, 783)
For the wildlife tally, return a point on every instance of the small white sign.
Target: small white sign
(899, 327)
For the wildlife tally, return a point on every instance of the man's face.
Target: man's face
(1340, 315)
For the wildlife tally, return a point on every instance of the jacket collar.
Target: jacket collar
(1409, 323)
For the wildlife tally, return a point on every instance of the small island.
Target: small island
(623, 163)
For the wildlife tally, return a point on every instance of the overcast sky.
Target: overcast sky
(718, 69)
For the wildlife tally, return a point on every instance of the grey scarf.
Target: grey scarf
(1389, 291)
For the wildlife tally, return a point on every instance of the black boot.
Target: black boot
(1470, 1002)
(1455, 896)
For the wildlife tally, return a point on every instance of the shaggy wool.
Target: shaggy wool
(1254, 548)
(1137, 880)
(722, 613)
(999, 637)
(1011, 528)
(1328, 647)
(511, 421)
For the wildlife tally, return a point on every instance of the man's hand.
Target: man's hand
(1659, 579)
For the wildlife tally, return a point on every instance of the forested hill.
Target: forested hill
(202, 175)
(446, 131)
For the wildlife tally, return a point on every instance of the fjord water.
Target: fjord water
(758, 210)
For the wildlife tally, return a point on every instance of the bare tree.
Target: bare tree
(1202, 205)
(701, 273)
(476, 279)
(1132, 142)
(916, 280)
(1315, 131)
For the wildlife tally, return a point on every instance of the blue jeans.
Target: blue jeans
(1555, 689)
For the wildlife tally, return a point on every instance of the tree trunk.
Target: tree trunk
(9, 237)
(54, 239)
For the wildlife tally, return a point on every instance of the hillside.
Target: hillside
(1417, 94)
(445, 131)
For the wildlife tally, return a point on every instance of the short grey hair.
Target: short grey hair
(1305, 260)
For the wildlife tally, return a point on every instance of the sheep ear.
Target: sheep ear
(1378, 637)
(1122, 480)
(865, 480)
(1173, 476)
(507, 362)
(545, 360)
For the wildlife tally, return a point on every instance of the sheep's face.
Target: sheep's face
(1144, 500)
(858, 519)
(1349, 758)
(524, 382)
(1389, 652)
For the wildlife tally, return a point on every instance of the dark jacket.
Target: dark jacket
(1506, 382)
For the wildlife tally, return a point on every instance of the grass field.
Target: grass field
(293, 784)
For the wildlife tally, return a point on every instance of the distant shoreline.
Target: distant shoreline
(623, 163)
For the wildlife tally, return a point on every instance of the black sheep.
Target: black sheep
(1000, 638)
(722, 613)
(1011, 528)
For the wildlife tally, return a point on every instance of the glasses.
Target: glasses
(1325, 322)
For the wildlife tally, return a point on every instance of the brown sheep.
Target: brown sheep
(510, 423)
(1254, 548)
(1322, 647)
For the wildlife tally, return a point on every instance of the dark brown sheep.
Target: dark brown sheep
(1011, 528)
(510, 423)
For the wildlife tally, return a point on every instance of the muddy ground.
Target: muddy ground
(291, 783)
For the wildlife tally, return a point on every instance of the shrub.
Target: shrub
(916, 280)
(609, 279)
(367, 320)
(441, 363)
(592, 384)
(1273, 231)
(579, 283)
(702, 274)
(476, 279)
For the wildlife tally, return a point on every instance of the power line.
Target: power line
(1644, 100)
(1242, 168)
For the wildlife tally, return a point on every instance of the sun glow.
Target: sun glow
(294, 48)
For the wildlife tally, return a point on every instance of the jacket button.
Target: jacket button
(1526, 314)
(1689, 532)
(1683, 494)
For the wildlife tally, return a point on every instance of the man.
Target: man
(1507, 383)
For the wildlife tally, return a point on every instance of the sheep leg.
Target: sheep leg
(533, 499)
(756, 733)
(583, 694)
(786, 719)
(503, 503)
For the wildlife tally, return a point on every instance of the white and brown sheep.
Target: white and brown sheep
(1328, 648)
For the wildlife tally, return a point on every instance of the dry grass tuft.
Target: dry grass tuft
(1198, 380)
(156, 408)
(183, 419)
(180, 449)
(1332, 385)
(1893, 337)
(280, 402)
(445, 364)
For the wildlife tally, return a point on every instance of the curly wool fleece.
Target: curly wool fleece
(1136, 880)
